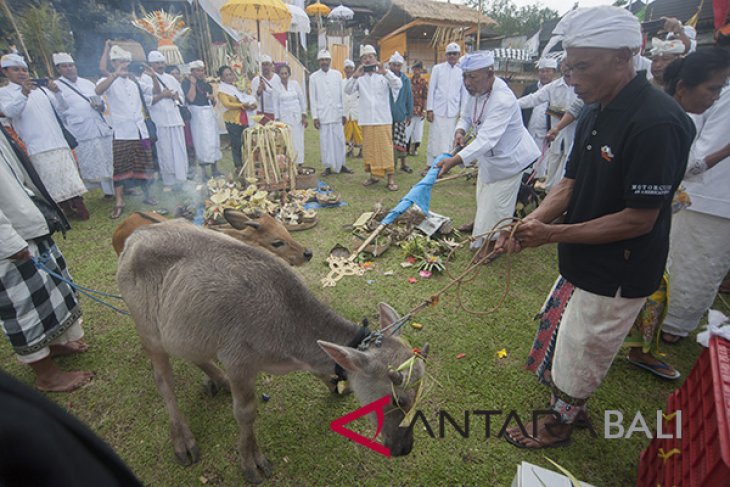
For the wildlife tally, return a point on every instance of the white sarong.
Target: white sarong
(699, 259)
(332, 145)
(294, 120)
(96, 163)
(591, 333)
(414, 131)
(204, 128)
(57, 169)
(172, 155)
(495, 201)
(440, 136)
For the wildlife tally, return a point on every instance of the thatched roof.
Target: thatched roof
(402, 12)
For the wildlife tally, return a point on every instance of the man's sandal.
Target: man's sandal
(660, 370)
(392, 187)
(370, 182)
(117, 212)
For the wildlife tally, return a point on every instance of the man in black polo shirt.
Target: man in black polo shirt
(629, 156)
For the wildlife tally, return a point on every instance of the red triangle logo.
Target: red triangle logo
(338, 425)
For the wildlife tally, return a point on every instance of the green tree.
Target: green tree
(45, 31)
(513, 20)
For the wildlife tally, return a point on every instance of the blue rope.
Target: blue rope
(89, 293)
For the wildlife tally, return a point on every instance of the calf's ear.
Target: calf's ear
(387, 315)
(238, 219)
(349, 359)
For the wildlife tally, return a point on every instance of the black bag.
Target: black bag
(151, 127)
(49, 212)
(70, 139)
(184, 111)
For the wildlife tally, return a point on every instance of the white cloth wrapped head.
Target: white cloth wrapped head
(62, 58)
(477, 60)
(118, 54)
(367, 49)
(396, 58)
(197, 64)
(547, 63)
(324, 54)
(156, 57)
(605, 27)
(13, 60)
(265, 58)
(660, 47)
(349, 63)
(453, 47)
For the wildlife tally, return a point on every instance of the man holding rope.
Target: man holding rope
(502, 147)
(629, 157)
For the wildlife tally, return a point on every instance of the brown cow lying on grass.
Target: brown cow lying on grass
(265, 232)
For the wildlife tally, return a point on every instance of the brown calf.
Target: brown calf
(265, 232)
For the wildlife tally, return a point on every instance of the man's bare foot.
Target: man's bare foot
(70, 348)
(50, 378)
(550, 434)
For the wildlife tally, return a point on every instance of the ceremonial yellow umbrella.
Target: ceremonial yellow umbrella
(239, 14)
(319, 10)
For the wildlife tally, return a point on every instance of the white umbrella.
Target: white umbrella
(300, 24)
(341, 14)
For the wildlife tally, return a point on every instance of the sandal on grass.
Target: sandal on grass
(540, 444)
(661, 369)
(117, 212)
(671, 339)
(392, 187)
(150, 201)
(370, 182)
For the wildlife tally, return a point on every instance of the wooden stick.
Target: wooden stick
(455, 176)
(367, 241)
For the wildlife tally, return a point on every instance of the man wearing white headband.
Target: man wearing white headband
(128, 105)
(629, 156)
(35, 109)
(167, 98)
(375, 84)
(353, 132)
(501, 146)
(445, 91)
(84, 118)
(401, 109)
(662, 55)
(535, 118)
(327, 104)
(265, 86)
(558, 97)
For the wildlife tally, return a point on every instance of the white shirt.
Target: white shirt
(537, 126)
(165, 113)
(559, 97)
(709, 190)
(352, 102)
(290, 101)
(374, 108)
(325, 96)
(643, 64)
(81, 119)
(445, 90)
(33, 118)
(125, 107)
(266, 100)
(503, 147)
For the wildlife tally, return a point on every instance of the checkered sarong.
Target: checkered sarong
(400, 141)
(36, 308)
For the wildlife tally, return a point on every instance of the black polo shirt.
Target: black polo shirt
(631, 154)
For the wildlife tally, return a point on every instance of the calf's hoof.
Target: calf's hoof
(210, 388)
(253, 475)
(188, 456)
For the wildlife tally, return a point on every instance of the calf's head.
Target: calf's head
(268, 233)
(392, 369)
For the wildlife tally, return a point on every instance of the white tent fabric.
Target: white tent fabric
(341, 13)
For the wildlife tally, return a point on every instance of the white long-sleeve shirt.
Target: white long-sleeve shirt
(352, 102)
(373, 88)
(503, 147)
(81, 119)
(290, 101)
(445, 91)
(708, 189)
(125, 107)
(33, 118)
(266, 100)
(165, 113)
(559, 98)
(325, 96)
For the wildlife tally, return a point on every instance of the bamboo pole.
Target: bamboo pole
(17, 33)
(479, 27)
(367, 241)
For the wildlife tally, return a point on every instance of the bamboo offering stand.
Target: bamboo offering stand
(270, 156)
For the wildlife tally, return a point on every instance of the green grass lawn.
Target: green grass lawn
(122, 404)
